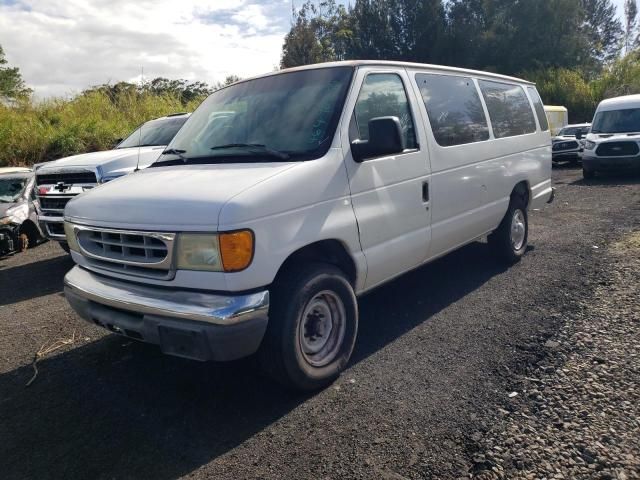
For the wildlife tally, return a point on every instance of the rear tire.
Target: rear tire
(510, 239)
(588, 174)
(65, 247)
(313, 323)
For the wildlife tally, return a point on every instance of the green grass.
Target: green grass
(38, 132)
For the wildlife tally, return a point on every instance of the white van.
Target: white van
(259, 227)
(614, 140)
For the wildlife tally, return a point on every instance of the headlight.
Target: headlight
(5, 220)
(589, 145)
(224, 252)
(72, 240)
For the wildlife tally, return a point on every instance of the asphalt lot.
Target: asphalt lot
(437, 356)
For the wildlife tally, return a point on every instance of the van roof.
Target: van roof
(388, 63)
(617, 103)
(555, 108)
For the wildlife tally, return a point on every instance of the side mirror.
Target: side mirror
(117, 142)
(385, 138)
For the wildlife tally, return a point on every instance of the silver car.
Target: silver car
(18, 218)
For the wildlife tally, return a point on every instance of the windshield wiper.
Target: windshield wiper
(177, 152)
(255, 146)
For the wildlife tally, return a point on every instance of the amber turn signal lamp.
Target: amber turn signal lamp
(236, 250)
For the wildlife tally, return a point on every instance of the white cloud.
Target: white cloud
(64, 46)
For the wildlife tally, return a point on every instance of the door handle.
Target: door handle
(425, 192)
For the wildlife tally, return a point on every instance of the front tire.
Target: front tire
(23, 242)
(511, 237)
(588, 174)
(313, 324)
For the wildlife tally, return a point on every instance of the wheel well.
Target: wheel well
(31, 230)
(521, 190)
(327, 251)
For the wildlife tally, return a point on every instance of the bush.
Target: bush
(39, 132)
(567, 88)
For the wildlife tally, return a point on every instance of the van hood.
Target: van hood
(175, 198)
(614, 137)
(111, 163)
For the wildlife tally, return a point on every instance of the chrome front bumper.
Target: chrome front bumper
(184, 323)
(45, 221)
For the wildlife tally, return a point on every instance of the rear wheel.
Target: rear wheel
(511, 237)
(313, 323)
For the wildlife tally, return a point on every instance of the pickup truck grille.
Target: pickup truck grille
(53, 203)
(565, 146)
(618, 149)
(69, 178)
(137, 253)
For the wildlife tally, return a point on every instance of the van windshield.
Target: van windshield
(289, 116)
(617, 121)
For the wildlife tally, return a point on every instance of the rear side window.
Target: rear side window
(539, 107)
(509, 109)
(454, 109)
(383, 95)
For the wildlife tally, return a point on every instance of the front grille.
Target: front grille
(618, 149)
(69, 178)
(137, 253)
(53, 203)
(565, 146)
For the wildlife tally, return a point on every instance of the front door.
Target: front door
(390, 194)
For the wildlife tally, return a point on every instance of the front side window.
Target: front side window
(383, 95)
(617, 121)
(154, 133)
(454, 109)
(283, 117)
(509, 109)
(539, 108)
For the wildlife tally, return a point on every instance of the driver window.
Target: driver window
(382, 95)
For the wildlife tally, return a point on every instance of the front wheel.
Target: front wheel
(313, 323)
(511, 237)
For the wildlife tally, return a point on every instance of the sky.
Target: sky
(65, 46)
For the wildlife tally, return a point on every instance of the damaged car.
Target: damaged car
(18, 218)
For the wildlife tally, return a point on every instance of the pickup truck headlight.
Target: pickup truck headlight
(72, 240)
(223, 252)
(589, 145)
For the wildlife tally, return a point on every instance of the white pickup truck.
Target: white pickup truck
(60, 180)
(286, 196)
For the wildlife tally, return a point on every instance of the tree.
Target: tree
(229, 79)
(603, 29)
(184, 89)
(12, 86)
(319, 33)
(630, 16)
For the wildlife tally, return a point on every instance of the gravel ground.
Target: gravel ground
(428, 394)
(575, 412)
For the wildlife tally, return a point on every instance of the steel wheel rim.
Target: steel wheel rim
(518, 230)
(322, 328)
